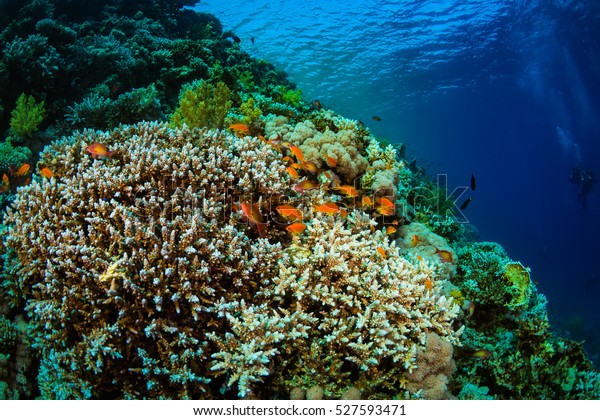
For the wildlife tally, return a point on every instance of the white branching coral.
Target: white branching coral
(139, 269)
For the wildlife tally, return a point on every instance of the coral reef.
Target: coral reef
(26, 116)
(202, 105)
(150, 243)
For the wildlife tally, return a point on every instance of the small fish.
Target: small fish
(46, 173)
(384, 202)
(428, 284)
(465, 203)
(348, 190)
(376, 118)
(385, 211)
(309, 167)
(317, 104)
(470, 310)
(331, 161)
(390, 230)
(252, 40)
(414, 241)
(420, 258)
(5, 185)
(367, 202)
(480, 354)
(381, 252)
(23, 170)
(289, 212)
(343, 213)
(306, 185)
(239, 128)
(297, 152)
(293, 173)
(99, 151)
(445, 256)
(360, 124)
(288, 160)
(327, 208)
(251, 213)
(296, 228)
(473, 183)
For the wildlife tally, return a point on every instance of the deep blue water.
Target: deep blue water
(507, 90)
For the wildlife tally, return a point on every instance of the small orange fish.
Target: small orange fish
(297, 152)
(289, 160)
(331, 161)
(293, 173)
(328, 208)
(289, 212)
(428, 284)
(414, 240)
(99, 151)
(296, 228)
(5, 185)
(343, 213)
(480, 354)
(251, 213)
(306, 185)
(46, 173)
(239, 128)
(383, 201)
(296, 166)
(385, 211)
(445, 256)
(23, 170)
(419, 258)
(348, 190)
(367, 202)
(390, 230)
(310, 167)
(381, 251)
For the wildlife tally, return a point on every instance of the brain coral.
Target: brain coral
(141, 281)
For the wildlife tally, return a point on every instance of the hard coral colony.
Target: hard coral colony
(252, 246)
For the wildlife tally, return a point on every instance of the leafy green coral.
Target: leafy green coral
(291, 97)
(27, 116)
(202, 105)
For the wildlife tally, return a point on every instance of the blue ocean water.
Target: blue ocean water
(508, 90)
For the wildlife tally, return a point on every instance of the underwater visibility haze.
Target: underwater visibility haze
(299, 199)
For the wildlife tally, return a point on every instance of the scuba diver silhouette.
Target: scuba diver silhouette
(585, 179)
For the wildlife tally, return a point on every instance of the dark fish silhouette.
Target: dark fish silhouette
(473, 183)
(376, 118)
(465, 203)
(252, 40)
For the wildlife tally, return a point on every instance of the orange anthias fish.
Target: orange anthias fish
(239, 128)
(252, 214)
(5, 185)
(414, 241)
(428, 284)
(328, 208)
(297, 152)
(23, 170)
(331, 161)
(367, 202)
(445, 256)
(348, 190)
(293, 173)
(306, 185)
(296, 228)
(385, 211)
(99, 151)
(46, 173)
(381, 251)
(289, 212)
(383, 201)
(390, 230)
(309, 167)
